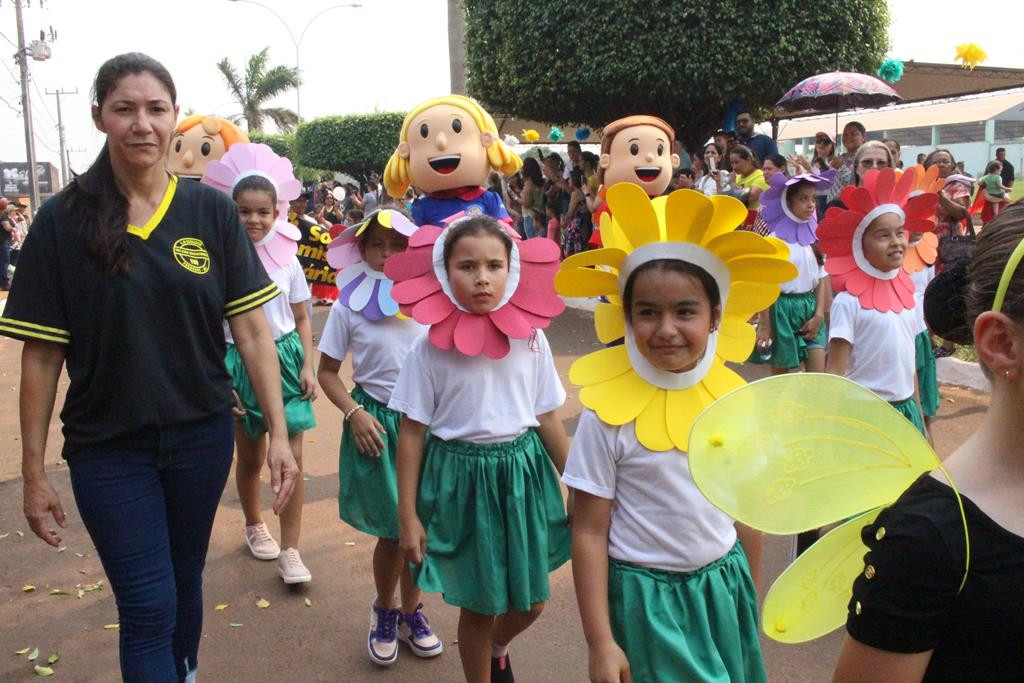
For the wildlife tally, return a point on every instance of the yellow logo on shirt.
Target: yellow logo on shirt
(191, 254)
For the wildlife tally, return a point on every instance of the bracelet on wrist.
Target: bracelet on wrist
(359, 406)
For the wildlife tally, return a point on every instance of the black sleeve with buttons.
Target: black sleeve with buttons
(908, 598)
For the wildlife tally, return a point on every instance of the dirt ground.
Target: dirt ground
(325, 640)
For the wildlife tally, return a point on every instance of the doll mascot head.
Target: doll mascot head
(447, 147)
(197, 141)
(638, 150)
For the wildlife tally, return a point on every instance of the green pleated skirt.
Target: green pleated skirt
(927, 377)
(495, 522)
(789, 348)
(368, 486)
(698, 627)
(908, 409)
(298, 412)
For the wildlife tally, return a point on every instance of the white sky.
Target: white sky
(386, 55)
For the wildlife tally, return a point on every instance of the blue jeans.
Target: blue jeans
(148, 501)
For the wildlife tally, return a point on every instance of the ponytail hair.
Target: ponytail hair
(92, 202)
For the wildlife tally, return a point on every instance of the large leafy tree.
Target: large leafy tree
(260, 85)
(565, 62)
(358, 145)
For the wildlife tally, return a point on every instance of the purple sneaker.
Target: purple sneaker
(414, 630)
(382, 641)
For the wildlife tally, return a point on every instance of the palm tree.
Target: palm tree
(260, 85)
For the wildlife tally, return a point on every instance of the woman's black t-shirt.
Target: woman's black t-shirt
(907, 599)
(147, 349)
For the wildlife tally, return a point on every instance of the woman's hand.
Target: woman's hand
(412, 538)
(608, 664)
(809, 330)
(284, 471)
(238, 410)
(40, 502)
(308, 383)
(367, 432)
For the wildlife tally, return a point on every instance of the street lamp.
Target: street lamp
(297, 43)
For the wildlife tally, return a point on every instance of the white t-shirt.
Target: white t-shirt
(660, 518)
(478, 399)
(378, 348)
(921, 279)
(882, 357)
(808, 270)
(294, 290)
(707, 185)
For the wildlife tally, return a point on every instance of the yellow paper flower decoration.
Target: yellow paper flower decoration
(530, 135)
(617, 382)
(970, 55)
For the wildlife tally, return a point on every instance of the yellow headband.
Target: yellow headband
(1008, 271)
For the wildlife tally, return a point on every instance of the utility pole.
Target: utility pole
(26, 109)
(60, 130)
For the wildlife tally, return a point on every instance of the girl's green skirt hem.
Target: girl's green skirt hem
(789, 348)
(368, 486)
(695, 626)
(908, 409)
(927, 377)
(495, 522)
(298, 412)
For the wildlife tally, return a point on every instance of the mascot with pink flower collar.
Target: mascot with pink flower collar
(447, 147)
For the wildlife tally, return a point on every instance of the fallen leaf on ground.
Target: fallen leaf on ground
(350, 542)
(62, 549)
(262, 603)
(21, 534)
(43, 671)
(79, 555)
(28, 588)
(54, 658)
(80, 593)
(221, 607)
(234, 624)
(60, 591)
(309, 603)
(32, 655)
(90, 587)
(112, 627)
(22, 651)
(82, 571)
(5, 534)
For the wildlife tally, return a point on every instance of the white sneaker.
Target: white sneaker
(414, 631)
(291, 569)
(382, 641)
(261, 544)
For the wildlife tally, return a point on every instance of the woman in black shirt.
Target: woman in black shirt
(126, 278)
(935, 603)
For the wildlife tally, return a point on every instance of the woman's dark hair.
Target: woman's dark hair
(354, 215)
(92, 202)
(553, 158)
(255, 183)
(778, 161)
(858, 125)
(676, 266)
(576, 178)
(591, 159)
(745, 153)
(471, 227)
(531, 169)
(364, 237)
(718, 148)
(791, 191)
(930, 159)
(967, 288)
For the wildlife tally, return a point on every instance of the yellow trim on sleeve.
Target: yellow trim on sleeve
(257, 298)
(154, 220)
(24, 329)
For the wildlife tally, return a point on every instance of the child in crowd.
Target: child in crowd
(481, 513)
(937, 603)
(872, 326)
(363, 321)
(256, 192)
(554, 229)
(992, 185)
(792, 331)
(665, 591)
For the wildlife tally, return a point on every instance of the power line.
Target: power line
(13, 44)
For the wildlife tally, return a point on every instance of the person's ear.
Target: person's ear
(675, 161)
(606, 160)
(486, 139)
(97, 119)
(403, 150)
(999, 342)
(716, 318)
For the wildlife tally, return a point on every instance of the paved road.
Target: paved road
(326, 640)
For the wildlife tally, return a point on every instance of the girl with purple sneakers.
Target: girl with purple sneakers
(363, 321)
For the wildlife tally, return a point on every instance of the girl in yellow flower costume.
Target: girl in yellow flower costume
(664, 588)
